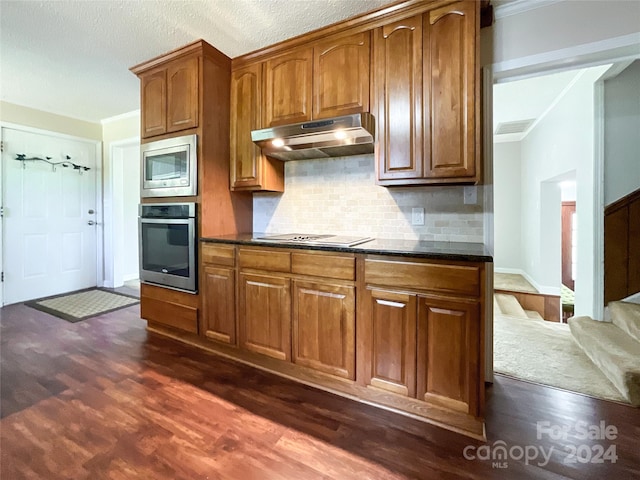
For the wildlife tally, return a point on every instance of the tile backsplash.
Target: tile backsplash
(339, 195)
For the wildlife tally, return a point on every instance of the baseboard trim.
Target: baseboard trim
(543, 289)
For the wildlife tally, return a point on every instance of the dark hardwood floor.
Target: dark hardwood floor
(105, 399)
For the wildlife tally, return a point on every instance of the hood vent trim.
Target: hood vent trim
(327, 138)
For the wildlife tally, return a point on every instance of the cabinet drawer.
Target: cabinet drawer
(330, 266)
(218, 254)
(456, 279)
(182, 317)
(271, 260)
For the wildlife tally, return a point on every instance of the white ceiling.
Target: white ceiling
(72, 57)
(528, 99)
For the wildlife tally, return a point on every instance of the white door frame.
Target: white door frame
(615, 50)
(113, 223)
(99, 212)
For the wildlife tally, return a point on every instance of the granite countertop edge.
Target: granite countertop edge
(454, 251)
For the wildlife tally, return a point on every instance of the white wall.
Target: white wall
(561, 143)
(595, 28)
(575, 34)
(130, 201)
(340, 196)
(121, 136)
(507, 214)
(52, 122)
(622, 134)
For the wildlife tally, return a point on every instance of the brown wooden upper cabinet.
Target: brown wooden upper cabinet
(250, 170)
(169, 97)
(341, 76)
(328, 79)
(398, 82)
(425, 96)
(287, 87)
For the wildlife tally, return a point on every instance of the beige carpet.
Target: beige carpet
(512, 282)
(77, 306)
(545, 353)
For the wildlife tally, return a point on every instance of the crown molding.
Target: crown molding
(516, 7)
(122, 116)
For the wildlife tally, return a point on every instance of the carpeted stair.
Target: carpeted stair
(508, 305)
(533, 315)
(626, 316)
(505, 304)
(613, 346)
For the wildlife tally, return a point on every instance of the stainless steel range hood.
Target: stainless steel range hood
(331, 137)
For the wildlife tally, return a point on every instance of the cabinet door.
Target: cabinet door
(250, 170)
(448, 371)
(389, 330)
(398, 98)
(324, 327)
(341, 76)
(182, 95)
(288, 87)
(265, 315)
(218, 304)
(246, 111)
(153, 93)
(451, 91)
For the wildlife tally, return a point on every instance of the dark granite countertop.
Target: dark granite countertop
(455, 251)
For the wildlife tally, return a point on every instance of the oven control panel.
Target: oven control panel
(167, 210)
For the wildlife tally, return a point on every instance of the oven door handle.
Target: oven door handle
(170, 221)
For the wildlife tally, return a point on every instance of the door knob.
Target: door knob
(91, 222)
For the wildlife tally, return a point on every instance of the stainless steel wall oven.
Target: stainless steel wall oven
(168, 246)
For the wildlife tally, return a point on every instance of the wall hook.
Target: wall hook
(65, 163)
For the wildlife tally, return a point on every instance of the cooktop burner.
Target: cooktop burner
(316, 239)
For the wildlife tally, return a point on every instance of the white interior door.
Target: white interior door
(49, 216)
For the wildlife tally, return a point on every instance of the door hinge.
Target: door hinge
(1, 212)
(1, 145)
(2, 277)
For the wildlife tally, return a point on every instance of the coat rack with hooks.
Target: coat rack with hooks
(65, 163)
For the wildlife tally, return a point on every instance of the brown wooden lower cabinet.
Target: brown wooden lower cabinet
(219, 304)
(422, 346)
(400, 332)
(324, 327)
(448, 345)
(165, 307)
(265, 315)
(389, 329)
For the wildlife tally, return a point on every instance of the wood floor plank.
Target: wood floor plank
(106, 399)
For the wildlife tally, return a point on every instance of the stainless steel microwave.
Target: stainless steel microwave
(170, 167)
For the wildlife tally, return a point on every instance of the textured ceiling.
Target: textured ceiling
(72, 57)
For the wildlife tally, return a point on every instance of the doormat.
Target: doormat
(77, 306)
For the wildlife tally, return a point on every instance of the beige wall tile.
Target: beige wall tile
(340, 196)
